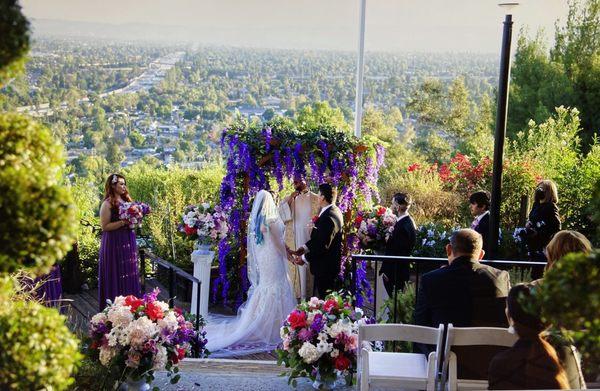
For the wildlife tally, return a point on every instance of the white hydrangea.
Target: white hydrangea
(309, 353)
(99, 318)
(120, 316)
(169, 322)
(341, 326)
(119, 301)
(324, 347)
(140, 331)
(160, 358)
(162, 305)
(106, 354)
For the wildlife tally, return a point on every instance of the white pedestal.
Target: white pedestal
(202, 260)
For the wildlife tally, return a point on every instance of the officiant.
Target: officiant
(297, 211)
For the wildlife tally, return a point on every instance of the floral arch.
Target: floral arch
(263, 156)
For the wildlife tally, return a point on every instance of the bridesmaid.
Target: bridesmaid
(118, 272)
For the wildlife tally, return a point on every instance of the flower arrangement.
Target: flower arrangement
(133, 212)
(375, 226)
(320, 339)
(204, 224)
(140, 336)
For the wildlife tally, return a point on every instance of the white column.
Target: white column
(360, 69)
(202, 260)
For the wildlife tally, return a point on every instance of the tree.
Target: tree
(14, 40)
(321, 114)
(137, 139)
(114, 156)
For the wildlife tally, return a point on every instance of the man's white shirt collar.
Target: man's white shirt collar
(403, 215)
(324, 209)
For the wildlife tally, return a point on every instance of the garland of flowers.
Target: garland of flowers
(256, 154)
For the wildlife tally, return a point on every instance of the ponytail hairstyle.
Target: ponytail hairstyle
(110, 193)
(541, 365)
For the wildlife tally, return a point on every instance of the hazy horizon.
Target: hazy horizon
(403, 25)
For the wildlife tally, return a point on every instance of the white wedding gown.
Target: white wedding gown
(270, 298)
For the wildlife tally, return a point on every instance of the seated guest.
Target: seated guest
(531, 363)
(401, 242)
(466, 294)
(479, 203)
(563, 243)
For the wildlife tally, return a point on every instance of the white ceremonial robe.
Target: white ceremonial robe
(298, 222)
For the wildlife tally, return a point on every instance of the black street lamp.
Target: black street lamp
(500, 132)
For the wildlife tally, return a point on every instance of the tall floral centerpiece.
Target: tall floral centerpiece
(320, 340)
(205, 224)
(374, 226)
(141, 335)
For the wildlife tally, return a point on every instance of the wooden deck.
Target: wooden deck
(79, 309)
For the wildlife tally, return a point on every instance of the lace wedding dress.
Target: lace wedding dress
(270, 298)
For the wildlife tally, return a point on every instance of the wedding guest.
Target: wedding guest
(543, 223)
(466, 293)
(118, 272)
(532, 363)
(479, 204)
(565, 242)
(401, 242)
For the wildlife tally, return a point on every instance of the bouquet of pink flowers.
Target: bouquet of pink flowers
(204, 224)
(139, 336)
(375, 226)
(320, 339)
(133, 212)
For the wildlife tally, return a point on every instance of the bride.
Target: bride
(270, 299)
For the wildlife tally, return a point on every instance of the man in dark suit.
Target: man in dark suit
(466, 294)
(323, 252)
(401, 242)
(479, 203)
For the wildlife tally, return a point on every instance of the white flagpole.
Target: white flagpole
(360, 69)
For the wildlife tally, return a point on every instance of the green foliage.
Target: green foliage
(404, 307)
(570, 301)
(14, 39)
(168, 192)
(34, 208)
(321, 114)
(37, 349)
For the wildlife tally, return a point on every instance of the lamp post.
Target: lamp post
(500, 131)
(360, 65)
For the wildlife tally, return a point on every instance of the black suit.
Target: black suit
(325, 249)
(466, 294)
(401, 242)
(483, 227)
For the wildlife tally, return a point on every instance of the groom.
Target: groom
(323, 252)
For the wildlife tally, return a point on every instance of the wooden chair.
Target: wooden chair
(470, 336)
(411, 371)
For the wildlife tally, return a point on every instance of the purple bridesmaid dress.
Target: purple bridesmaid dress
(118, 272)
(51, 289)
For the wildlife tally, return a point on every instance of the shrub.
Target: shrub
(570, 300)
(37, 350)
(34, 208)
(14, 30)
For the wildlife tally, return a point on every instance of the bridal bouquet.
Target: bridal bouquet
(375, 226)
(204, 224)
(320, 339)
(140, 336)
(133, 212)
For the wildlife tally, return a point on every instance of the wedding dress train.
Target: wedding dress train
(270, 298)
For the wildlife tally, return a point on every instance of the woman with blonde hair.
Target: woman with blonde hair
(543, 223)
(565, 242)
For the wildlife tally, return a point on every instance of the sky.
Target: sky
(391, 25)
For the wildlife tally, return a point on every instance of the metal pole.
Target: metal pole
(171, 287)
(360, 65)
(500, 135)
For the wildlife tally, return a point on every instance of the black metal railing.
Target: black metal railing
(173, 273)
(418, 263)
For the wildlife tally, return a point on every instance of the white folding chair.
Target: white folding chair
(411, 371)
(470, 336)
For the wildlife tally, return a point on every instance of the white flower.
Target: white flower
(322, 336)
(162, 305)
(282, 332)
(160, 359)
(334, 353)
(205, 205)
(120, 316)
(106, 354)
(359, 311)
(99, 318)
(309, 353)
(341, 326)
(139, 331)
(324, 347)
(314, 302)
